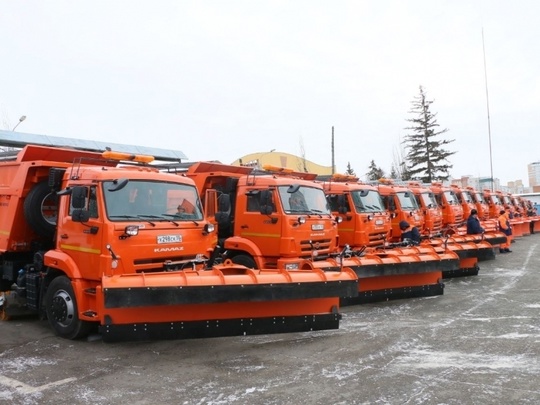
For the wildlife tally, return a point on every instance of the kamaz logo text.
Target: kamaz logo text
(168, 249)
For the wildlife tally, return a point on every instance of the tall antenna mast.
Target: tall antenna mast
(488, 118)
(333, 163)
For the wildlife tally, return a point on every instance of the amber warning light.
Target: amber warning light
(127, 156)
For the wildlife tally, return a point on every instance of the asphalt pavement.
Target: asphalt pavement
(478, 343)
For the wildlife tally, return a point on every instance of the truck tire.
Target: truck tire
(41, 209)
(62, 312)
(244, 260)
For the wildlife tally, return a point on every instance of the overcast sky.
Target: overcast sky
(221, 79)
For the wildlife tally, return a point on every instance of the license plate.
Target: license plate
(317, 227)
(169, 239)
(379, 222)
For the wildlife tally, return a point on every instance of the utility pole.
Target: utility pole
(488, 118)
(333, 158)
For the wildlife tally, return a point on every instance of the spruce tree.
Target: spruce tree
(426, 157)
(350, 170)
(375, 172)
(393, 172)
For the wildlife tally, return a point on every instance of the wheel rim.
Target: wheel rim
(49, 209)
(62, 308)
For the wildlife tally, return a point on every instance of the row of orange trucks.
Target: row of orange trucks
(111, 241)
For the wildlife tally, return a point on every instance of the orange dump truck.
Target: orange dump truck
(481, 205)
(454, 221)
(90, 242)
(494, 202)
(432, 232)
(278, 218)
(401, 204)
(397, 270)
(520, 224)
(471, 199)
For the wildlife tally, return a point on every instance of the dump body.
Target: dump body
(92, 242)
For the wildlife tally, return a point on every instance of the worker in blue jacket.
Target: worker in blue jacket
(473, 224)
(409, 232)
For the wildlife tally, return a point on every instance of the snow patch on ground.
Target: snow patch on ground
(430, 359)
(22, 364)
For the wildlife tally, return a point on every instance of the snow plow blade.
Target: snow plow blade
(399, 273)
(228, 300)
(484, 249)
(467, 252)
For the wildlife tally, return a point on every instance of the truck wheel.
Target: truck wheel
(41, 209)
(62, 312)
(244, 260)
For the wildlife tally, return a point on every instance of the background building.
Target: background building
(534, 175)
(282, 159)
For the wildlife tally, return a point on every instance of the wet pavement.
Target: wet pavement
(476, 344)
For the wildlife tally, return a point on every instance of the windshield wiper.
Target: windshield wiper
(123, 216)
(182, 217)
(142, 216)
(134, 217)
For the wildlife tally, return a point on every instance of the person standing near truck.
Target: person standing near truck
(504, 225)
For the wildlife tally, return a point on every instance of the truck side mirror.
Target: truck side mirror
(78, 197)
(80, 215)
(342, 204)
(118, 184)
(267, 207)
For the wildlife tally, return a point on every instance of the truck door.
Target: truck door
(81, 240)
(256, 221)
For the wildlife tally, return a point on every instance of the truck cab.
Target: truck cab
(430, 208)
(447, 199)
(480, 203)
(365, 219)
(274, 218)
(401, 203)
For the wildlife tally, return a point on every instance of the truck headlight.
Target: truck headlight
(131, 230)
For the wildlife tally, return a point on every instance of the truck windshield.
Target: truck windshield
(152, 200)
(367, 201)
(407, 200)
(428, 199)
(305, 200)
(451, 198)
(496, 199)
(466, 196)
(480, 198)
